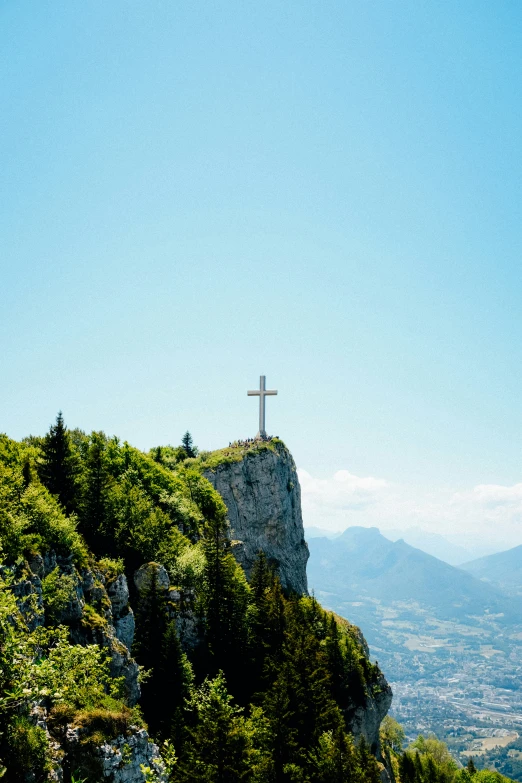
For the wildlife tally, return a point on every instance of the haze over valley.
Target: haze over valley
(448, 641)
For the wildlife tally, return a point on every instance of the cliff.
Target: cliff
(261, 490)
(263, 497)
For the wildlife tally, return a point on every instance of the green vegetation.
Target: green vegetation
(211, 460)
(267, 687)
(428, 760)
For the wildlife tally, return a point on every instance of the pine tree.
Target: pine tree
(188, 446)
(219, 744)
(407, 769)
(334, 760)
(471, 766)
(151, 627)
(419, 772)
(59, 471)
(225, 600)
(173, 678)
(94, 503)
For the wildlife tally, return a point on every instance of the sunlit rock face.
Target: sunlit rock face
(263, 498)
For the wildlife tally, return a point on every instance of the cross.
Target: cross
(262, 393)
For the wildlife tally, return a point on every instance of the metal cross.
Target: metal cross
(262, 393)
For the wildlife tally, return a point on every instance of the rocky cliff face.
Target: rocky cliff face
(112, 629)
(365, 720)
(263, 498)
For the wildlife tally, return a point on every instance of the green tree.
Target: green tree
(218, 748)
(94, 506)
(188, 446)
(151, 628)
(407, 769)
(225, 599)
(173, 679)
(59, 471)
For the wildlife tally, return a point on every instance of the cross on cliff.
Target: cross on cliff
(262, 393)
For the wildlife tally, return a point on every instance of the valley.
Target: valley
(458, 676)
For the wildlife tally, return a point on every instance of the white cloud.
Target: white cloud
(489, 513)
(343, 491)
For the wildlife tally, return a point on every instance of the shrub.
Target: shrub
(58, 592)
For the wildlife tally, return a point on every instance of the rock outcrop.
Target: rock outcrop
(95, 610)
(119, 760)
(263, 498)
(366, 719)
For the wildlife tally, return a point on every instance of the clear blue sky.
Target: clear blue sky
(330, 193)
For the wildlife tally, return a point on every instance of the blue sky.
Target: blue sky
(328, 193)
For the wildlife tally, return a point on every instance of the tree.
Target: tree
(94, 502)
(407, 769)
(151, 627)
(225, 594)
(172, 680)
(219, 745)
(59, 471)
(188, 446)
(471, 766)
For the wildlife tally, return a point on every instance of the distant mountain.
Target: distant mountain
(362, 566)
(320, 532)
(433, 544)
(503, 569)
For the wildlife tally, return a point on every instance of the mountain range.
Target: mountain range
(503, 570)
(361, 565)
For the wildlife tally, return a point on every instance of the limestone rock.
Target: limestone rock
(123, 616)
(366, 719)
(28, 593)
(118, 592)
(125, 627)
(263, 498)
(114, 761)
(121, 759)
(145, 576)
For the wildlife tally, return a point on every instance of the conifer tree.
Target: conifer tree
(334, 760)
(151, 626)
(419, 772)
(188, 446)
(225, 599)
(59, 471)
(219, 744)
(173, 678)
(95, 490)
(407, 769)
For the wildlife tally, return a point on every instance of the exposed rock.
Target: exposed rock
(121, 759)
(366, 719)
(263, 498)
(118, 592)
(145, 576)
(115, 761)
(28, 594)
(125, 627)
(73, 609)
(36, 564)
(121, 664)
(123, 616)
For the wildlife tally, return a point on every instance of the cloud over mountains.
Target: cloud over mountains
(489, 513)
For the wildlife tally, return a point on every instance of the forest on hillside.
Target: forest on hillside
(233, 680)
